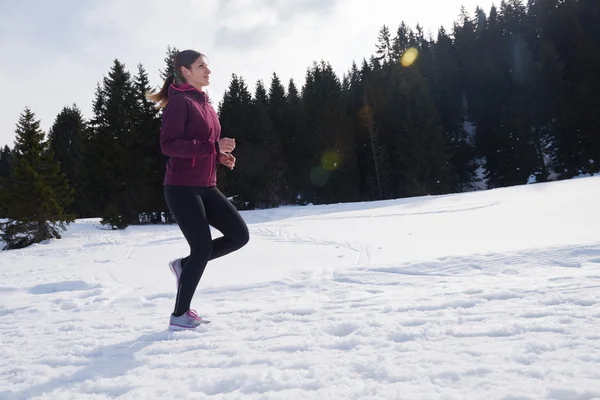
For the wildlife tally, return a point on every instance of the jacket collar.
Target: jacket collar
(187, 88)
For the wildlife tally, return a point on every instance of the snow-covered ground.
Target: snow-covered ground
(484, 295)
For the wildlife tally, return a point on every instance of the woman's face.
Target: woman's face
(198, 75)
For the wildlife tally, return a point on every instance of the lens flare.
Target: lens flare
(330, 161)
(409, 57)
(319, 176)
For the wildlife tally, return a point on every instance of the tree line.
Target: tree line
(506, 97)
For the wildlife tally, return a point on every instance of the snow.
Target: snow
(481, 295)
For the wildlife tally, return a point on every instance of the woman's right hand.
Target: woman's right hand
(226, 145)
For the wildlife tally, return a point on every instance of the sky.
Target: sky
(55, 53)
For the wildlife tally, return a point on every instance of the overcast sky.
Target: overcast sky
(55, 52)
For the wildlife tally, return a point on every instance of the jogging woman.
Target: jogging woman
(190, 137)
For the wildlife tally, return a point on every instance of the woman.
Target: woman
(190, 136)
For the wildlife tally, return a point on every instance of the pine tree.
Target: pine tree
(330, 165)
(293, 126)
(497, 75)
(481, 58)
(259, 182)
(420, 157)
(153, 162)
(66, 140)
(270, 152)
(36, 194)
(169, 62)
(114, 156)
(572, 59)
(372, 156)
(425, 60)
(95, 145)
(515, 134)
(469, 63)
(448, 95)
(5, 162)
(588, 58)
(4, 174)
(353, 94)
(236, 113)
(283, 128)
(385, 51)
(404, 39)
(379, 153)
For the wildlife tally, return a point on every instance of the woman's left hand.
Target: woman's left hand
(227, 160)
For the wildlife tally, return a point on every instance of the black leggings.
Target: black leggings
(194, 209)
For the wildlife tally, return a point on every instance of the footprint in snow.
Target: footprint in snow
(64, 286)
(341, 329)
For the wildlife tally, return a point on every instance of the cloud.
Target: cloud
(55, 24)
(245, 38)
(246, 25)
(284, 10)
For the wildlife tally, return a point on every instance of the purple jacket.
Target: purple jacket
(190, 128)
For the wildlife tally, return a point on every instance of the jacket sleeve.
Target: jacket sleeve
(218, 152)
(172, 142)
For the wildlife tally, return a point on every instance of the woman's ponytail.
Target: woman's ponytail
(162, 97)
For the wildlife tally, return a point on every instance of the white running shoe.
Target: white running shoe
(189, 320)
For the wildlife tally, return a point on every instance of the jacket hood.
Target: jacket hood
(175, 90)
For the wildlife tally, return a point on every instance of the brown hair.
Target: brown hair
(184, 58)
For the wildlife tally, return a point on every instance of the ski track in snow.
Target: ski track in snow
(85, 317)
